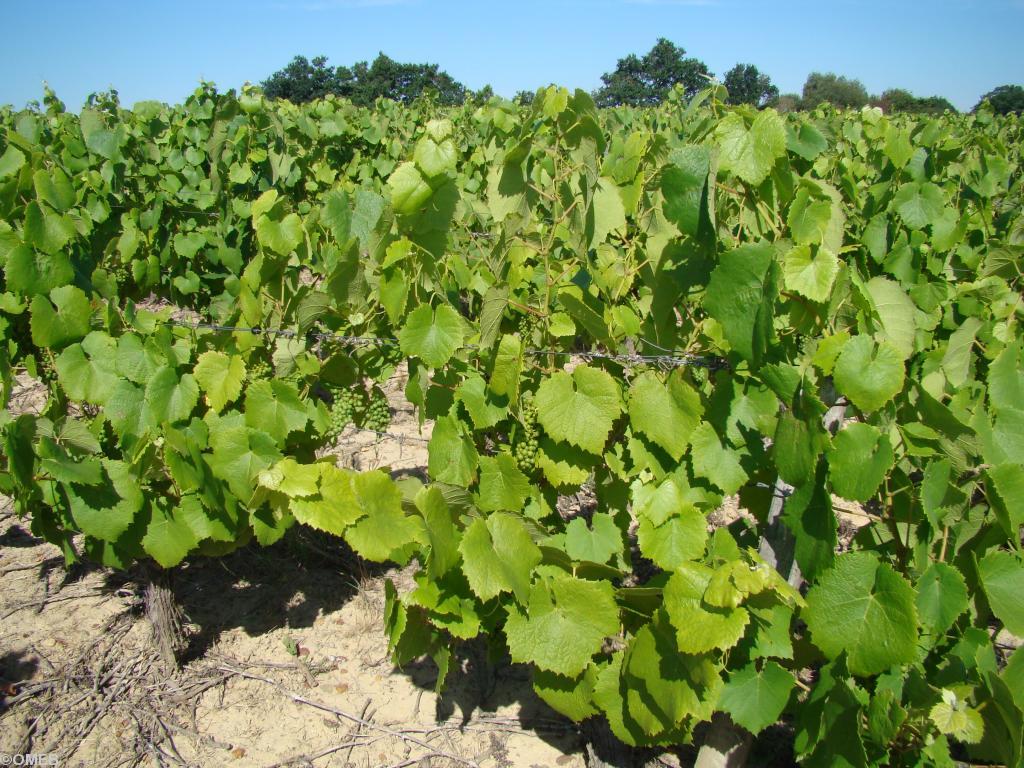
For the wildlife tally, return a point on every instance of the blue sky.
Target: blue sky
(155, 49)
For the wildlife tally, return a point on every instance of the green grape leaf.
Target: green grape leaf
(741, 297)
(563, 465)
(435, 158)
(64, 468)
(955, 718)
(11, 161)
(292, 479)
(432, 335)
(715, 462)
(896, 312)
(125, 408)
(700, 627)
(870, 373)
(240, 453)
(498, 556)
(441, 533)
(492, 311)
(808, 218)
(45, 231)
(107, 510)
(683, 183)
(169, 537)
(220, 376)
(282, 236)
(409, 190)
(808, 514)
(565, 624)
(62, 318)
(751, 153)
(755, 698)
(508, 364)
(502, 485)
(919, 204)
(941, 597)
(956, 362)
(451, 455)
(135, 361)
(810, 274)
(383, 534)
(572, 697)
(333, 508)
(28, 271)
(666, 413)
(1006, 377)
(608, 211)
(275, 408)
(797, 444)
(87, 371)
(806, 140)
(658, 504)
(665, 687)
(677, 540)
(897, 146)
(596, 543)
(1005, 485)
(580, 408)
(864, 608)
(336, 215)
(169, 398)
(1002, 576)
(859, 460)
(482, 408)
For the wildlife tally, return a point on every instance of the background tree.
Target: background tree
(482, 96)
(836, 90)
(746, 85)
(788, 102)
(363, 83)
(302, 80)
(646, 81)
(1004, 99)
(901, 100)
(524, 98)
(389, 79)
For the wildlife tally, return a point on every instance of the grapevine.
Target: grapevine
(856, 273)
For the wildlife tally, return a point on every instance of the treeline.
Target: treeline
(636, 81)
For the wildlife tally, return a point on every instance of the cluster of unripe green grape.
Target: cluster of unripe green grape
(343, 411)
(121, 273)
(259, 369)
(525, 449)
(526, 325)
(378, 412)
(45, 372)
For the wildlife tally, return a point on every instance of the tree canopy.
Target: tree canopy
(647, 81)
(303, 80)
(747, 85)
(901, 100)
(838, 91)
(1004, 99)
